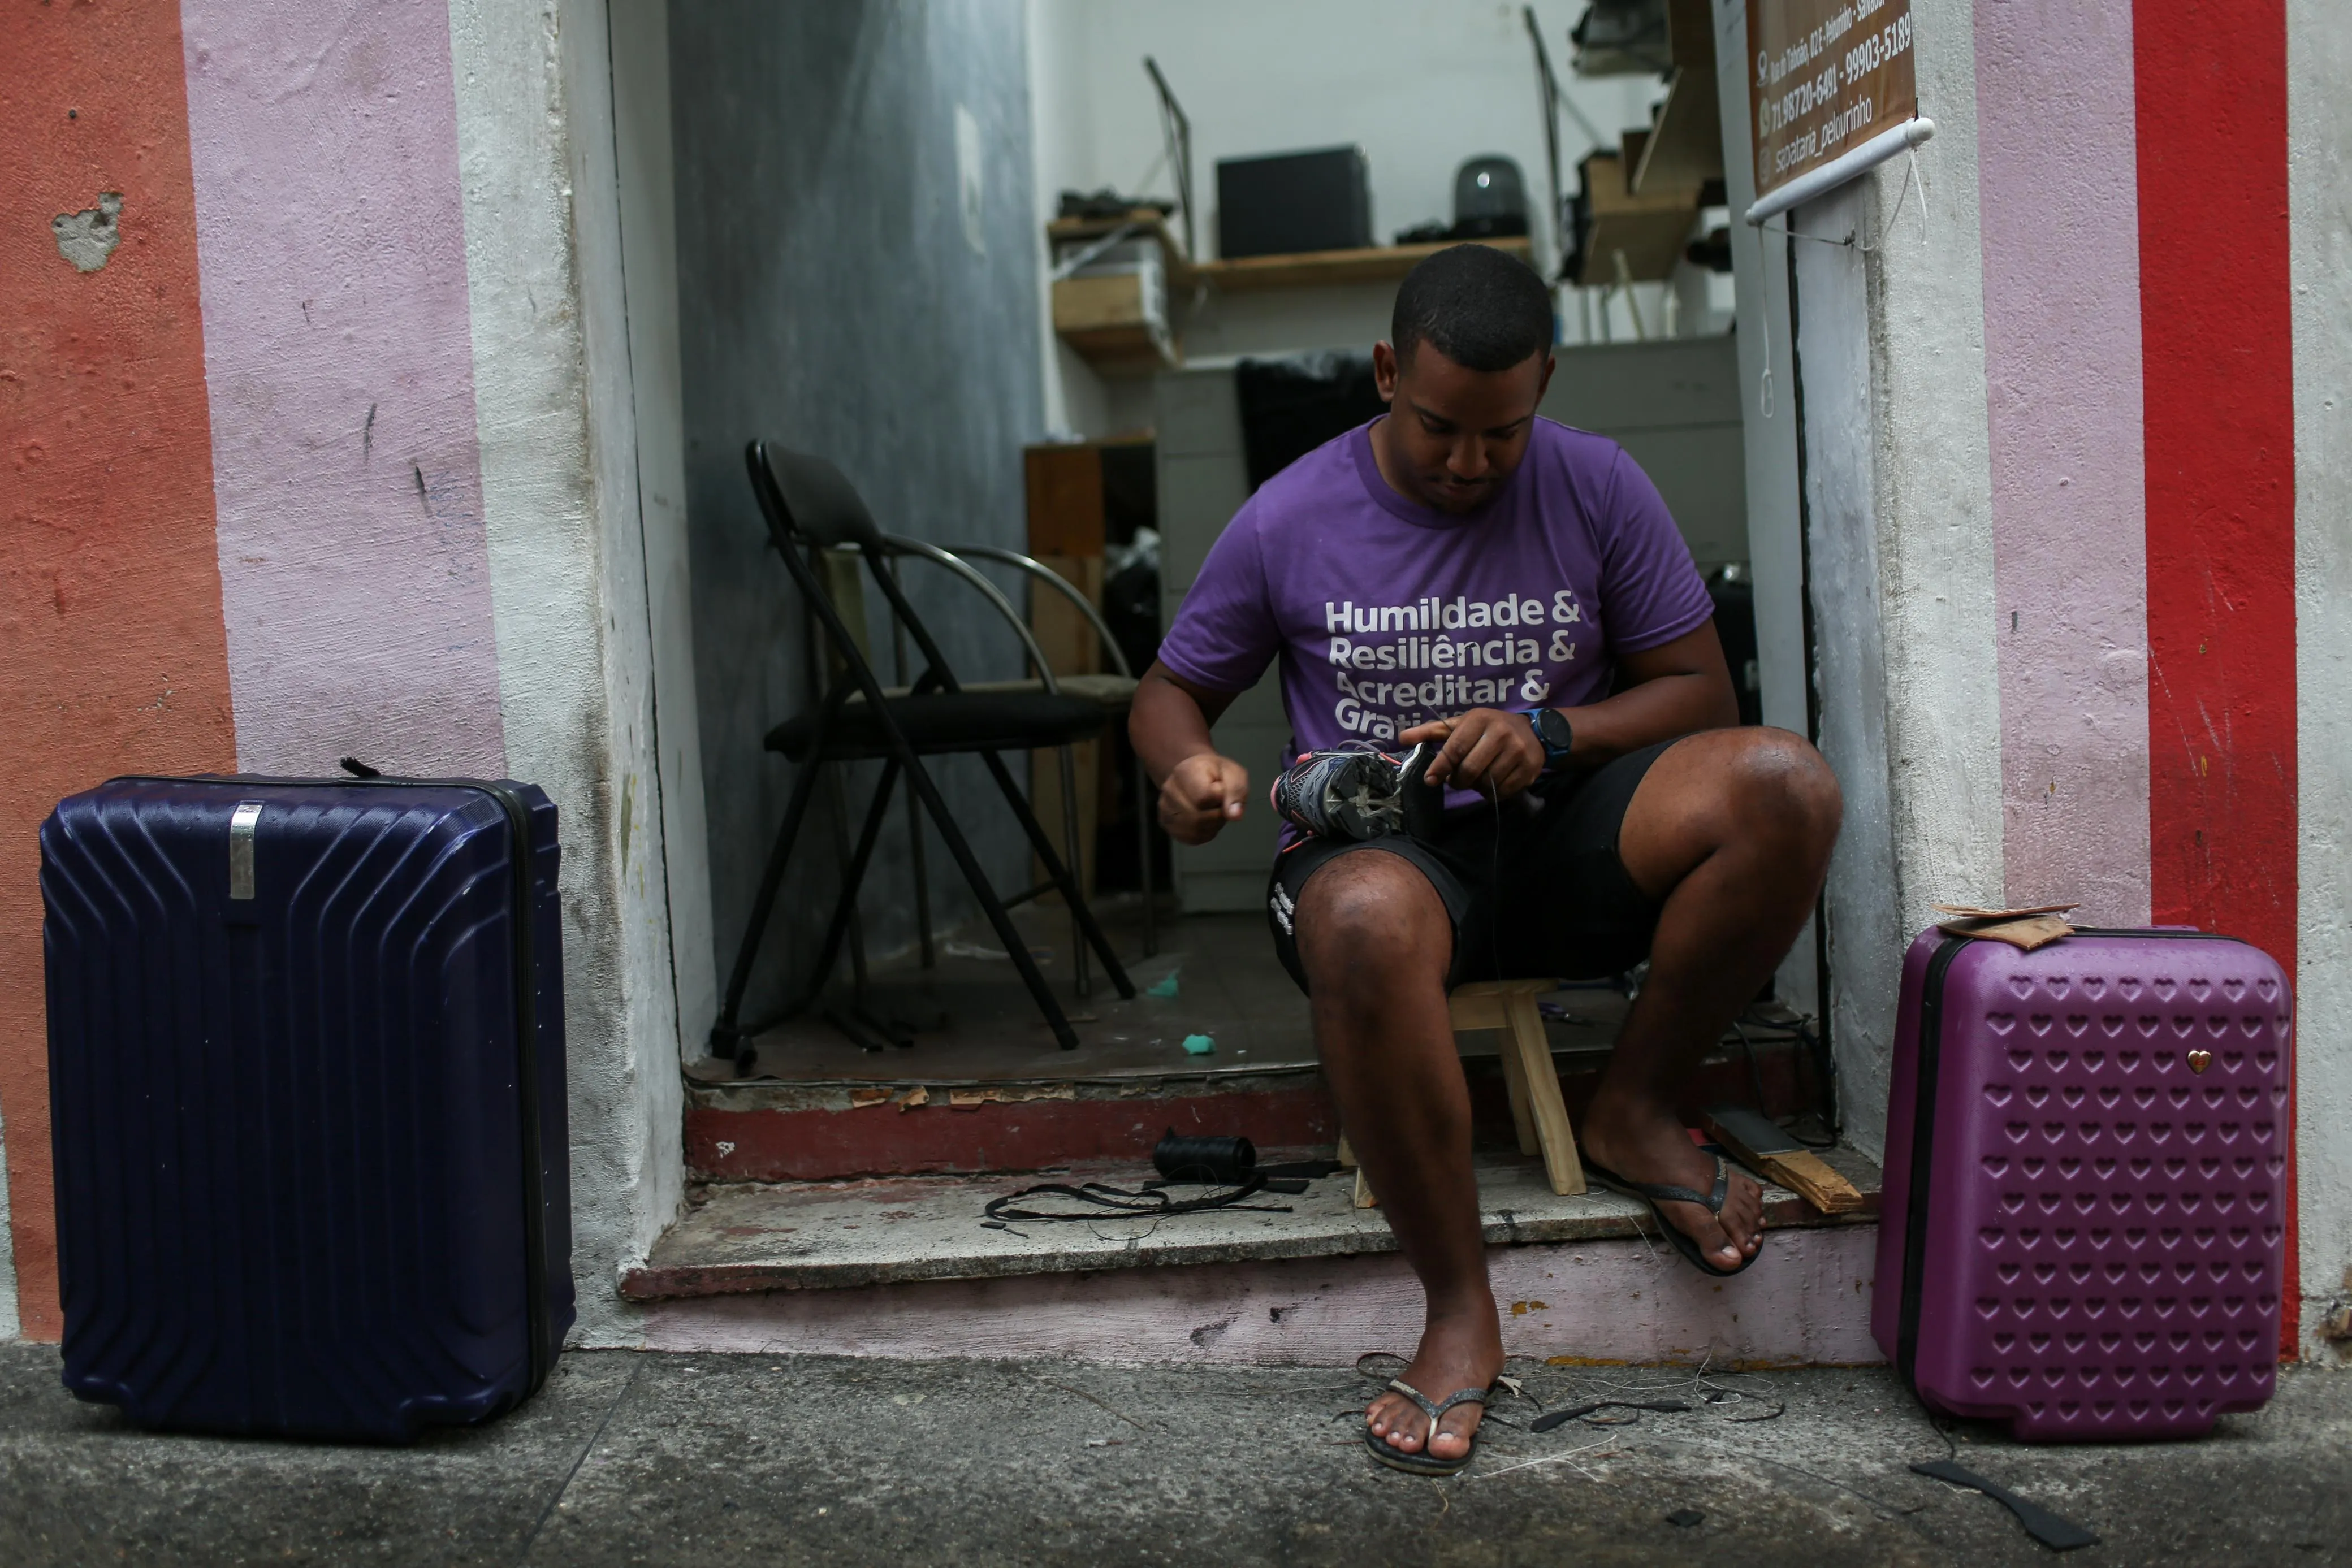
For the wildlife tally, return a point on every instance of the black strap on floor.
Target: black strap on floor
(2058, 1534)
(1151, 1203)
(1551, 1418)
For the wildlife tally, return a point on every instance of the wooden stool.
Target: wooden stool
(1538, 1112)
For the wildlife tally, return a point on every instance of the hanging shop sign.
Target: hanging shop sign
(1831, 92)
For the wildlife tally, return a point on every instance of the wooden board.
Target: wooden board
(1650, 229)
(1072, 647)
(1063, 481)
(1106, 321)
(1327, 268)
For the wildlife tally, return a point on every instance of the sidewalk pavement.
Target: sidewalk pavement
(715, 1459)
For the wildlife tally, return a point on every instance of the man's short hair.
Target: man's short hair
(1479, 307)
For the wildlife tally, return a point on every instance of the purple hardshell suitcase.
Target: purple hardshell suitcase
(2085, 1181)
(307, 1085)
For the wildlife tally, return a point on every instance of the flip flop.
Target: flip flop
(1423, 1463)
(1654, 1193)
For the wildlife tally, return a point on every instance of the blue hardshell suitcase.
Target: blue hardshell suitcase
(307, 1083)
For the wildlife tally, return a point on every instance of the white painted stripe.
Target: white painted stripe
(2319, 194)
(1806, 1302)
(568, 591)
(10, 1326)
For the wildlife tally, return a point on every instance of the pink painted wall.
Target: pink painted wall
(2058, 177)
(338, 351)
(1806, 1302)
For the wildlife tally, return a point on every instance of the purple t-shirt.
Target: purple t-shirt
(1387, 613)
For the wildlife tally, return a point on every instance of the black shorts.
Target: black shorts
(1531, 891)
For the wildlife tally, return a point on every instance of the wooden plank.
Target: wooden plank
(1811, 1178)
(1544, 1102)
(1326, 268)
(1514, 1081)
(1091, 304)
(1650, 229)
(1107, 321)
(1469, 1010)
(1064, 485)
(1072, 647)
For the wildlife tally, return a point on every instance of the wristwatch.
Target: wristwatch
(1553, 732)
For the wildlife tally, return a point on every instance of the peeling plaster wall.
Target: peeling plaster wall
(1831, 406)
(1766, 387)
(535, 140)
(831, 298)
(1890, 350)
(2319, 175)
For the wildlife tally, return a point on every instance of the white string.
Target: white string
(1764, 316)
(1903, 188)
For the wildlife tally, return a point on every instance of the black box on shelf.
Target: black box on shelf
(1291, 201)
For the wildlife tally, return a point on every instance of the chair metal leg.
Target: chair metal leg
(1143, 812)
(999, 919)
(922, 881)
(839, 801)
(725, 1037)
(853, 877)
(1060, 873)
(1083, 982)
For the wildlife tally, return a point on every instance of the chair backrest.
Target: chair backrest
(808, 502)
(819, 506)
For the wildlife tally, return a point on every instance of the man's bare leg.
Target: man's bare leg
(1732, 829)
(1376, 941)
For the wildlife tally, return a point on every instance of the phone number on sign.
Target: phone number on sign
(1878, 48)
(1816, 93)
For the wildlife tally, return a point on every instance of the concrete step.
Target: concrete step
(903, 1267)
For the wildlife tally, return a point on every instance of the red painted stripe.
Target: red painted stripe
(821, 1145)
(2216, 336)
(110, 582)
(764, 1144)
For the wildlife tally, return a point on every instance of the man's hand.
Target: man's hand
(1201, 795)
(1487, 750)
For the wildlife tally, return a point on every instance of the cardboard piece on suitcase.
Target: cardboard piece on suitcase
(2024, 929)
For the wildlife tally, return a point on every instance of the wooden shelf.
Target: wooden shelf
(1327, 268)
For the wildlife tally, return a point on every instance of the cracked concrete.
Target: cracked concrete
(715, 1459)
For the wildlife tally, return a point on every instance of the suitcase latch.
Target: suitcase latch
(241, 823)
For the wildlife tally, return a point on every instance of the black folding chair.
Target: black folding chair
(809, 507)
(1114, 689)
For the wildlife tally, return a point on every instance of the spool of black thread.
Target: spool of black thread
(1220, 1162)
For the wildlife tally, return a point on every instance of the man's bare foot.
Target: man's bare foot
(1649, 1144)
(1459, 1349)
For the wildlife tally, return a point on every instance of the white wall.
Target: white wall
(1897, 489)
(1775, 550)
(568, 589)
(647, 221)
(2319, 197)
(9, 1327)
(1420, 88)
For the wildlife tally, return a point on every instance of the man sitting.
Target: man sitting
(1461, 571)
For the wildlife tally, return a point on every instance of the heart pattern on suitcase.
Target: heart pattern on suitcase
(2163, 1295)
